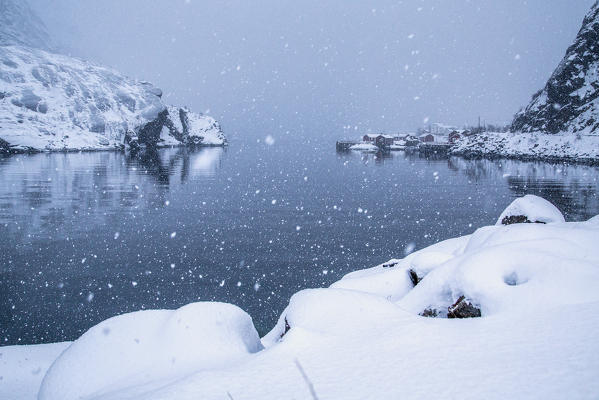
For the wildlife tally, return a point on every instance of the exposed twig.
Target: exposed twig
(306, 379)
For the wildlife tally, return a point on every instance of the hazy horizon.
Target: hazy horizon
(314, 69)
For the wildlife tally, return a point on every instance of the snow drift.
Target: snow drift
(148, 348)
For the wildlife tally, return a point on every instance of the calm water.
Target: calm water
(86, 236)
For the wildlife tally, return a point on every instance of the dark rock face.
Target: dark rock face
(569, 102)
(430, 313)
(149, 134)
(414, 277)
(463, 309)
(518, 219)
(287, 328)
(4, 146)
(515, 219)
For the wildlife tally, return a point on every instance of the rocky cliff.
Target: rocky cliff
(569, 102)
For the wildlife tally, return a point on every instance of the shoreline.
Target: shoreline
(434, 304)
(113, 149)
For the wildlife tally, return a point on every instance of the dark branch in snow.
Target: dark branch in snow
(306, 379)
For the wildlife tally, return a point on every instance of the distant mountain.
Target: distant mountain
(54, 102)
(569, 102)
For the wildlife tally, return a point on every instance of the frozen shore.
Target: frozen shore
(531, 146)
(509, 311)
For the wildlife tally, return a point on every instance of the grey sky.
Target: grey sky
(313, 67)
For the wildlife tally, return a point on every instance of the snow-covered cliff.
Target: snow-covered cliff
(54, 102)
(562, 120)
(569, 102)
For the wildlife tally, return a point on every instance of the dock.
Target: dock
(344, 145)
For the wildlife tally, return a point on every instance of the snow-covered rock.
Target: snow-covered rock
(569, 102)
(530, 208)
(149, 348)
(54, 102)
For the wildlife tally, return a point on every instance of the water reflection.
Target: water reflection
(46, 190)
(90, 235)
(572, 188)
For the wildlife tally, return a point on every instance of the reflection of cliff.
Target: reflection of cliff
(574, 199)
(53, 190)
(570, 187)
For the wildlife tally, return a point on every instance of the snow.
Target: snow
(364, 337)
(149, 348)
(534, 208)
(364, 147)
(19, 25)
(52, 102)
(22, 368)
(205, 130)
(566, 146)
(55, 102)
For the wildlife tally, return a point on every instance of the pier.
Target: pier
(344, 145)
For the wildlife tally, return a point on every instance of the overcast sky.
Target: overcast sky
(316, 67)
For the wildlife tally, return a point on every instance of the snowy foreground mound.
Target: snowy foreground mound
(151, 348)
(509, 312)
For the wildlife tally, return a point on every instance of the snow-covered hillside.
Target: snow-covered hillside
(509, 311)
(538, 146)
(54, 102)
(562, 120)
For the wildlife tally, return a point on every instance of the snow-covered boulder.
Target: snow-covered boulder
(498, 269)
(506, 269)
(55, 102)
(393, 279)
(330, 312)
(150, 348)
(530, 208)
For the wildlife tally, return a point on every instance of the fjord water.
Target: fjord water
(86, 236)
